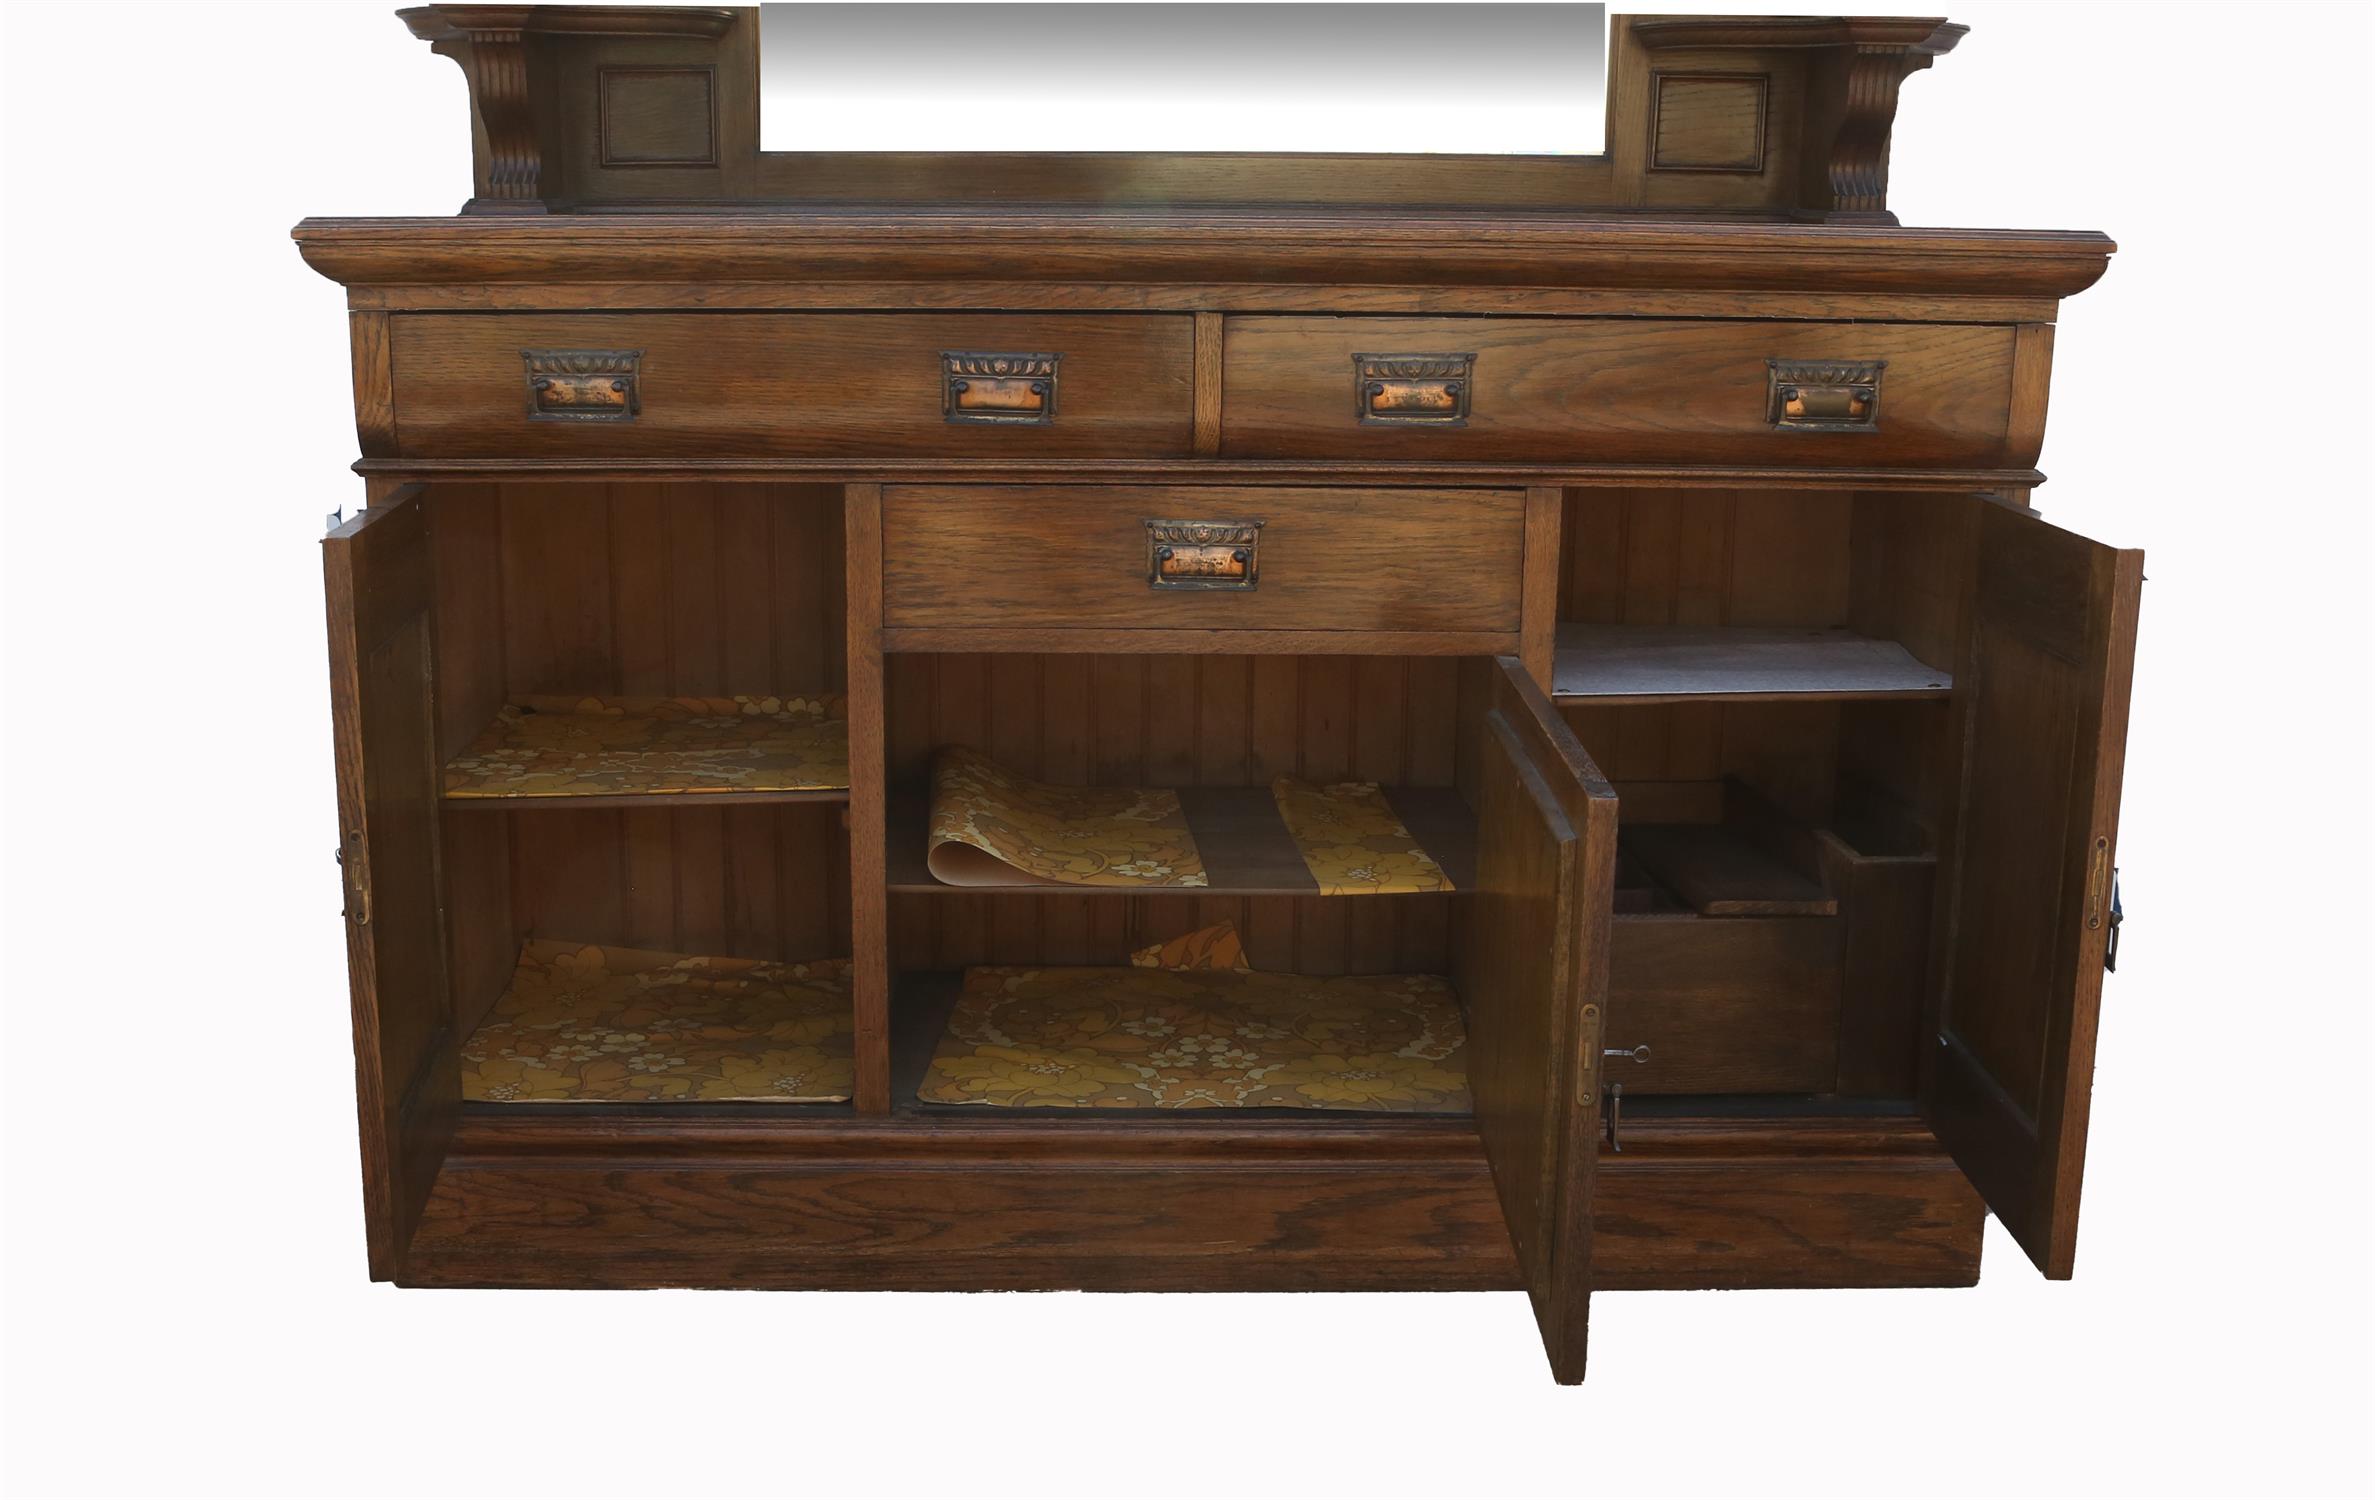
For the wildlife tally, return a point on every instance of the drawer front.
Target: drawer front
(792, 385)
(1616, 391)
(1202, 557)
(1724, 1005)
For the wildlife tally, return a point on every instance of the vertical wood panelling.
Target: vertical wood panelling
(641, 589)
(1174, 721)
(466, 577)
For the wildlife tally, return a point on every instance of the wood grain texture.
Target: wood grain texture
(1644, 664)
(1730, 1005)
(2032, 373)
(1719, 871)
(1195, 722)
(375, 574)
(938, 1205)
(375, 393)
(869, 796)
(1539, 593)
(794, 385)
(1419, 246)
(1617, 391)
(2043, 703)
(1207, 378)
(1050, 557)
(1532, 970)
(635, 589)
(1208, 298)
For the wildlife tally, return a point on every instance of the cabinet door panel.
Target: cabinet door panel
(1534, 971)
(2044, 685)
(375, 571)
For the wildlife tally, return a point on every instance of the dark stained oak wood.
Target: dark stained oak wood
(1608, 664)
(1616, 390)
(1859, 713)
(1076, 558)
(2026, 884)
(1243, 842)
(1419, 247)
(1725, 1005)
(727, 384)
(1720, 872)
(869, 794)
(1532, 969)
(939, 1204)
(383, 730)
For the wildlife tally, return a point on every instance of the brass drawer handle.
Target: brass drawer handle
(1412, 390)
(999, 388)
(1203, 554)
(1838, 395)
(583, 385)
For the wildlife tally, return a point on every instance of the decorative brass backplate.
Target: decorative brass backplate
(1825, 395)
(1203, 554)
(1412, 390)
(999, 388)
(582, 385)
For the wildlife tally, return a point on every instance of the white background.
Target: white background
(186, 1306)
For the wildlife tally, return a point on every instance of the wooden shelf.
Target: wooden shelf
(1245, 845)
(1720, 871)
(597, 1024)
(1630, 664)
(590, 753)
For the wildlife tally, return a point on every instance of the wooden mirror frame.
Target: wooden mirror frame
(577, 109)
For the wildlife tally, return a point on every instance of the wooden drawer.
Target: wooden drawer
(1083, 557)
(1726, 1005)
(1616, 390)
(793, 385)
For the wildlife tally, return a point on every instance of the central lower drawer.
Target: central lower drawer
(1098, 557)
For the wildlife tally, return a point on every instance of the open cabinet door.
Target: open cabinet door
(1534, 972)
(382, 683)
(2028, 894)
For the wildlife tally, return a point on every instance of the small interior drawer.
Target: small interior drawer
(1147, 558)
(794, 385)
(1725, 1005)
(1630, 390)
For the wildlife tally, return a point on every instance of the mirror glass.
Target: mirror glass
(1478, 79)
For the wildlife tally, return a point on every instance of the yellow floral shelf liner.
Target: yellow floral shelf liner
(569, 746)
(1352, 841)
(583, 1024)
(1145, 1038)
(991, 827)
(1214, 947)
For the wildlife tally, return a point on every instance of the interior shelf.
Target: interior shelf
(587, 751)
(1045, 1042)
(586, 1023)
(1718, 870)
(1629, 664)
(1245, 845)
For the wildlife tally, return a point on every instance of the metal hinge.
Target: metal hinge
(356, 881)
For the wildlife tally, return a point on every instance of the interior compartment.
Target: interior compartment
(1759, 595)
(1219, 729)
(688, 848)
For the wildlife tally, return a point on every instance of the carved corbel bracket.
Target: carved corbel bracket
(496, 46)
(1855, 65)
